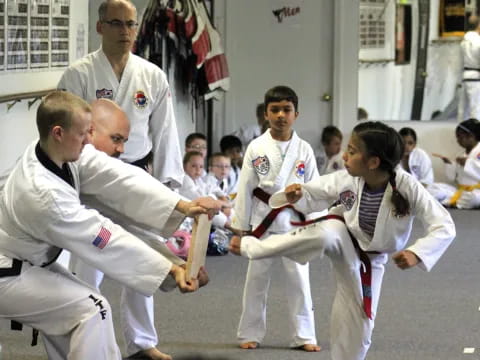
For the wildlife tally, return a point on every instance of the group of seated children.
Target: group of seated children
(220, 182)
(463, 173)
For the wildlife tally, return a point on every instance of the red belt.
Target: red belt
(268, 220)
(365, 267)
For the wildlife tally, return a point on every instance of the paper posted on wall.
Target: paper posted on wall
(198, 245)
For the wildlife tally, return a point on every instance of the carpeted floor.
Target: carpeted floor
(422, 316)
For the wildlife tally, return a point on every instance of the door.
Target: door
(274, 42)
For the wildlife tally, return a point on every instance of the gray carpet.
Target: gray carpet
(422, 316)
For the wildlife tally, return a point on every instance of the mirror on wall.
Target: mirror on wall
(410, 60)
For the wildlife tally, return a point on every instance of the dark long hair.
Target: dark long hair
(385, 142)
(470, 127)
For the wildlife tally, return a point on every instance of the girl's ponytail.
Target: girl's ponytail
(400, 203)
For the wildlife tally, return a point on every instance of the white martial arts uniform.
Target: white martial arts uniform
(470, 46)
(328, 165)
(144, 94)
(192, 189)
(233, 179)
(247, 133)
(464, 176)
(221, 186)
(264, 167)
(137, 315)
(351, 329)
(420, 166)
(40, 214)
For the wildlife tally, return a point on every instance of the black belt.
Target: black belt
(14, 270)
(142, 163)
(470, 80)
(471, 69)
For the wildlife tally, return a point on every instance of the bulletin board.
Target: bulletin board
(38, 39)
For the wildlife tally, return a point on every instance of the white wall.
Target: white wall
(18, 125)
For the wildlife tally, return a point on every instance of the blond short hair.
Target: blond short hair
(57, 109)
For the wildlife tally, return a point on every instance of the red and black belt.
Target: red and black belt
(365, 266)
(268, 220)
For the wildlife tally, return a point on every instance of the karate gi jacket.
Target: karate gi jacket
(420, 166)
(40, 214)
(468, 174)
(144, 94)
(264, 167)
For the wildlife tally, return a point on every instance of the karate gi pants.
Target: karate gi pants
(252, 326)
(472, 99)
(441, 191)
(351, 330)
(136, 310)
(72, 324)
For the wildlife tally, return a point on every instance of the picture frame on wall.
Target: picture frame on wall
(452, 18)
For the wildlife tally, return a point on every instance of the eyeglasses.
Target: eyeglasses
(198, 147)
(222, 166)
(118, 24)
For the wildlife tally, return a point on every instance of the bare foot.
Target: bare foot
(249, 345)
(310, 348)
(151, 354)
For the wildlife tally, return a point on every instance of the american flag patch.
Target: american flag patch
(101, 240)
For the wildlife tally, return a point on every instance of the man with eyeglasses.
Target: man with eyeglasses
(138, 86)
(142, 91)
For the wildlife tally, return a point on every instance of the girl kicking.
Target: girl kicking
(375, 204)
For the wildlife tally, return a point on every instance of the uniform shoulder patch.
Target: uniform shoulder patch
(261, 164)
(140, 99)
(300, 168)
(347, 199)
(478, 156)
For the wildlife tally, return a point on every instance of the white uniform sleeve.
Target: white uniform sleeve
(438, 224)
(62, 221)
(472, 167)
(311, 171)
(243, 202)
(189, 189)
(155, 242)
(73, 82)
(128, 190)
(425, 169)
(167, 155)
(321, 192)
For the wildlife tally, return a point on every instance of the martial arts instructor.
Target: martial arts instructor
(41, 213)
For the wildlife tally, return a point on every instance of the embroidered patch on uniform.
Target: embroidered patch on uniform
(261, 165)
(300, 168)
(478, 156)
(347, 198)
(140, 99)
(102, 239)
(335, 166)
(104, 94)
